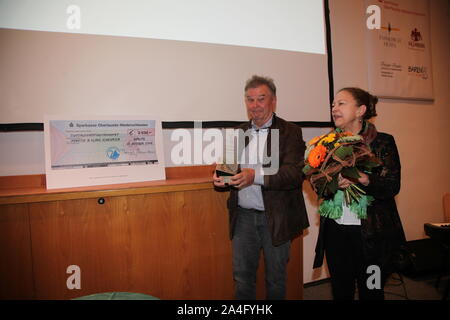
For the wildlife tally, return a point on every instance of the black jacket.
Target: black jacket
(382, 232)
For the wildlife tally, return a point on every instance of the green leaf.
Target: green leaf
(333, 185)
(356, 138)
(372, 164)
(367, 164)
(350, 173)
(322, 189)
(306, 168)
(343, 152)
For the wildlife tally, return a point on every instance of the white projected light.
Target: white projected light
(275, 24)
(184, 60)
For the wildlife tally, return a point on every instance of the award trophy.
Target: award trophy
(227, 167)
(226, 171)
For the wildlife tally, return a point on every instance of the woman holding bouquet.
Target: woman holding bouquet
(359, 249)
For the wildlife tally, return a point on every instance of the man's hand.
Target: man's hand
(243, 179)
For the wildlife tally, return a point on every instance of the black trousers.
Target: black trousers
(347, 265)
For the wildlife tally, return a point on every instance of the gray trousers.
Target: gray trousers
(251, 235)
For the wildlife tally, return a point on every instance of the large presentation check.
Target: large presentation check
(102, 143)
(88, 150)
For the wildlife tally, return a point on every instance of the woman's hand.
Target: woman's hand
(344, 183)
(363, 179)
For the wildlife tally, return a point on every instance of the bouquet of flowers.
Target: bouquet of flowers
(336, 153)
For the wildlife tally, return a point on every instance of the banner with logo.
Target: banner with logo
(399, 52)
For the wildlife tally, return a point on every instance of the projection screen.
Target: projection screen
(180, 60)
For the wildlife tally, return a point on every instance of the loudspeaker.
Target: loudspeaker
(425, 257)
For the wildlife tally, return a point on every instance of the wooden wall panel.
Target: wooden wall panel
(172, 245)
(295, 270)
(82, 233)
(16, 279)
(24, 181)
(181, 244)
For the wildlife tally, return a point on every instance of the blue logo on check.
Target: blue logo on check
(113, 153)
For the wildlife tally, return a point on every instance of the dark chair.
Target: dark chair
(440, 235)
(446, 258)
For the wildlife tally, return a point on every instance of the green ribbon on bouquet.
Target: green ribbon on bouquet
(332, 208)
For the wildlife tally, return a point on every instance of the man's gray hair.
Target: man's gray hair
(256, 81)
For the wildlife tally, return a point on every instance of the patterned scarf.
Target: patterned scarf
(368, 132)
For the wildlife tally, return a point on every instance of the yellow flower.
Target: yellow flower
(329, 138)
(314, 140)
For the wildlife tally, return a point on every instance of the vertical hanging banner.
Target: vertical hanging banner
(399, 50)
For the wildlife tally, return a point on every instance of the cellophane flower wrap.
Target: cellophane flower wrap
(335, 153)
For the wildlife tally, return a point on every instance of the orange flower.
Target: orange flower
(317, 156)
